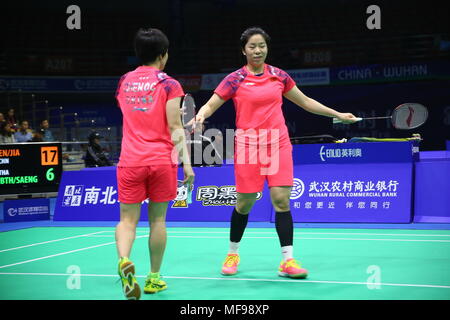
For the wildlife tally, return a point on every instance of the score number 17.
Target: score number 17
(49, 157)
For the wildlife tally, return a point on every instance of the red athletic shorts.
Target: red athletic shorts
(157, 183)
(275, 165)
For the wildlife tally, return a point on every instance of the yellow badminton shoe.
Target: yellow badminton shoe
(130, 286)
(154, 285)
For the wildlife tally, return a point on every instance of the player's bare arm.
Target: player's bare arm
(178, 137)
(207, 110)
(313, 106)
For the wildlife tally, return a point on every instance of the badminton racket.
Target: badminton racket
(404, 117)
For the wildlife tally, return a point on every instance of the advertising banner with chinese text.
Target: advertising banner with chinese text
(26, 210)
(378, 193)
(91, 195)
(353, 182)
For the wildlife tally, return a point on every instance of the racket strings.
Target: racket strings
(409, 116)
(188, 112)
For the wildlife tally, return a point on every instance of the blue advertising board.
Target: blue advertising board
(390, 72)
(60, 84)
(378, 193)
(353, 153)
(373, 73)
(26, 210)
(91, 195)
(432, 188)
(353, 182)
(376, 185)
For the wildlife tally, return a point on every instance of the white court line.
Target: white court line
(299, 281)
(50, 241)
(296, 238)
(145, 236)
(306, 233)
(313, 281)
(60, 254)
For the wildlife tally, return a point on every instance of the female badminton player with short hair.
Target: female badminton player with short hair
(150, 103)
(257, 90)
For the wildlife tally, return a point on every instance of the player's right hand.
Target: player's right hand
(347, 118)
(199, 119)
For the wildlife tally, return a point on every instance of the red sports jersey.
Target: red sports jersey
(142, 95)
(258, 99)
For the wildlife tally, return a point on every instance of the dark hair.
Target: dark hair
(3, 132)
(149, 44)
(251, 32)
(94, 135)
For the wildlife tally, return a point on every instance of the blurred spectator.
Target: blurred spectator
(6, 134)
(48, 136)
(2, 118)
(11, 119)
(95, 157)
(24, 134)
(67, 157)
(38, 136)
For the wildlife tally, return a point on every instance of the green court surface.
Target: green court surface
(44, 263)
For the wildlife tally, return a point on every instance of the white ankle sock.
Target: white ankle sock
(287, 252)
(234, 247)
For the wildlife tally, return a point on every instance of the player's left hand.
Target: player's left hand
(347, 118)
(189, 174)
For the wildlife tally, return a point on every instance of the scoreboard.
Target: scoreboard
(30, 167)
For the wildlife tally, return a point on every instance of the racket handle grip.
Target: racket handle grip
(189, 195)
(336, 120)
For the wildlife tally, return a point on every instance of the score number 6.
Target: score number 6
(50, 175)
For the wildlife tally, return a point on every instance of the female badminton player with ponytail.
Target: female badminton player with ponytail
(257, 90)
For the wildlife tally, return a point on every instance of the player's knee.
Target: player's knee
(244, 207)
(160, 219)
(281, 204)
(282, 208)
(129, 222)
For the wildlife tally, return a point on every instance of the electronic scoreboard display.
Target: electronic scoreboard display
(30, 167)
